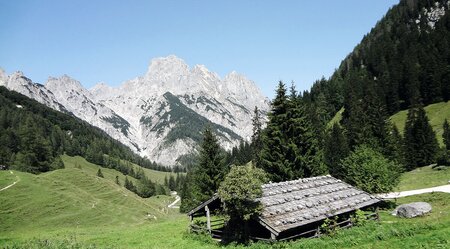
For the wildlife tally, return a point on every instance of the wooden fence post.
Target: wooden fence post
(208, 219)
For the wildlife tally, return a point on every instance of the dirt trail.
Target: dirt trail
(177, 199)
(393, 195)
(10, 185)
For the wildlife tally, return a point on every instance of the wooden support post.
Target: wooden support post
(377, 215)
(208, 219)
(273, 236)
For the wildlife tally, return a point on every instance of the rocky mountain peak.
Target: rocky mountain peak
(167, 68)
(160, 115)
(64, 85)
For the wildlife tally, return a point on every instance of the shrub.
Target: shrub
(238, 192)
(370, 171)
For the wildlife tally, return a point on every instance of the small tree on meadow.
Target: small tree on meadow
(239, 191)
(99, 173)
(370, 171)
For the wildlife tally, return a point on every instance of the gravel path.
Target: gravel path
(393, 195)
(10, 185)
(177, 199)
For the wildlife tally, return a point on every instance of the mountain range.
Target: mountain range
(161, 114)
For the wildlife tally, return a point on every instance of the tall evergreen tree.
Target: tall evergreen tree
(274, 145)
(256, 136)
(336, 149)
(304, 154)
(290, 149)
(446, 134)
(205, 178)
(420, 144)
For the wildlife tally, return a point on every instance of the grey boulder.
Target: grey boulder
(411, 210)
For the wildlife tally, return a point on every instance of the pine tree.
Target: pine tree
(256, 136)
(204, 179)
(446, 134)
(420, 144)
(303, 154)
(336, 149)
(99, 173)
(290, 149)
(129, 185)
(272, 156)
(172, 186)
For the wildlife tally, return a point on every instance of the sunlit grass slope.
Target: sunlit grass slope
(73, 198)
(436, 113)
(424, 177)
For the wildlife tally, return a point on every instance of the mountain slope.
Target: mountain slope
(33, 136)
(159, 115)
(73, 197)
(403, 60)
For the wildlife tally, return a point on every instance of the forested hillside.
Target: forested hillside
(33, 136)
(404, 60)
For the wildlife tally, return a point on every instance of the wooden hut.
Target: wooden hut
(297, 208)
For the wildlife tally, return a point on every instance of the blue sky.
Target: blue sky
(113, 41)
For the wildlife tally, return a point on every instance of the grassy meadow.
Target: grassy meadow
(436, 113)
(73, 208)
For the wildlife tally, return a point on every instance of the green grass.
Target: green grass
(436, 113)
(7, 179)
(154, 175)
(430, 231)
(73, 208)
(73, 198)
(424, 177)
(336, 119)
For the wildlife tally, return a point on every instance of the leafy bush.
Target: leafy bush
(370, 171)
(238, 192)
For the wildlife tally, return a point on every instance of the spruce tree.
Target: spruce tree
(420, 144)
(203, 181)
(99, 173)
(290, 149)
(446, 135)
(304, 154)
(336, 149)
(272, 156)
(256, 136)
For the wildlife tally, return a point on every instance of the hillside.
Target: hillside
(436, 113)
(403, 60)
(73, 198)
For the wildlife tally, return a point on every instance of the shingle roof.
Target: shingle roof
(299, 202)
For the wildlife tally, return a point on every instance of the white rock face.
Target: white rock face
(21, 84)
(159, 115)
